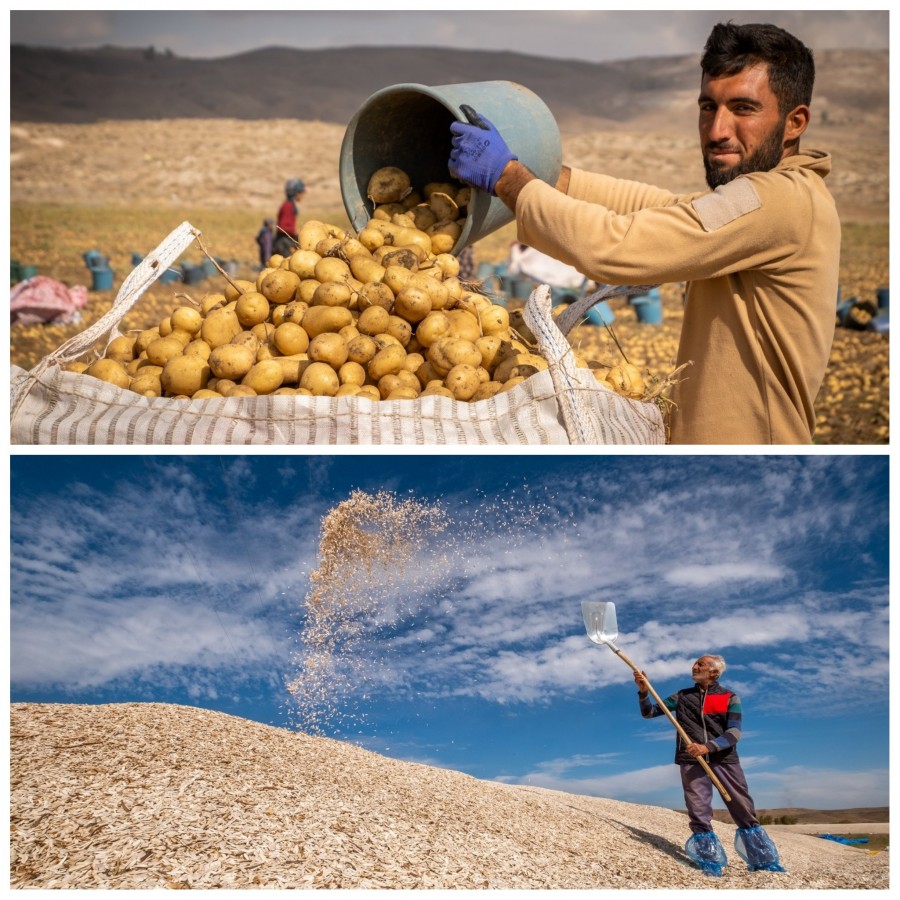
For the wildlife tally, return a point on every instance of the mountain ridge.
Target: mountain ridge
(329, 85)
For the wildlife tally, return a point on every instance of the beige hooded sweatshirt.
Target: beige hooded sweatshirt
(760, 257)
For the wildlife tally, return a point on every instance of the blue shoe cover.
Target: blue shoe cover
(706, 850)
(755, 847)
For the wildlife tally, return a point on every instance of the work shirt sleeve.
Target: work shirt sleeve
(663, 238)
(733, 725)
(650, 710)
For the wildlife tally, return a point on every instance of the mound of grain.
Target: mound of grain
(160, 796)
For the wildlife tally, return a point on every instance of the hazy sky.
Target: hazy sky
(184, 579)
(587, 35)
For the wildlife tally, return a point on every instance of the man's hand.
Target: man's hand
(641, 681)
(479, 154)
(697, 750)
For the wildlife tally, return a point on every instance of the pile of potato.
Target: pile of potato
(381, 315)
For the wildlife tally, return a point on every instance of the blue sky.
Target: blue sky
(591, 35)
(185, 579)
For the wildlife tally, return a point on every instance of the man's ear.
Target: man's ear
(796, 122)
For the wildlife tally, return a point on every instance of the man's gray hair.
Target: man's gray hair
(718, 662)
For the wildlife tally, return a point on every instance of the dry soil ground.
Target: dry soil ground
(122, 186)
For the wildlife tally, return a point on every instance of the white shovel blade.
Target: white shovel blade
(600, 621)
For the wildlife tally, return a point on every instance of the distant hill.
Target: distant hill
(87, 86)
(821, 816)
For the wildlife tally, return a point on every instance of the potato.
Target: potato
(303, 263)
(205, 394)
(626, 379)
(264, 377)
(403, 393)
(181, 336)
(219, 327)
(290, 338)
(292, 367)
(329, 246)
(423, 216)
(251, 309)
(242, 390)
(445, 353)
(77, 365)
(332, 293)
(504, 371)
(361, 349)
(310, 233)
(233, 290)
(120, 348)
(388, 383)
(319, 319)
(403, 257)
(352, 372)
(148, 385)
(486, 390)
(412, 304)
(444, 236)
(163, 349)
(112, 371)
(307, 290)
(413, 361)
(509, 385)
(400, 329)
(331, 268)
(188, 319)
(144, 339)
(493, 319)
(214, 301)
(375, 294)
(388, 361)
(329, 348)
(388, 184)
(293, 311)
(448, 264)
(368, 392)
(464, 324)
(320, 379)
(232, 361)
(280, 286)
(198, 348)
(185, 375)
(371, 238)
(443, 206)
(462, 381)
(366, 269)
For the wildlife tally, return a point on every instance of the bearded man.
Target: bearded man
(759, 251)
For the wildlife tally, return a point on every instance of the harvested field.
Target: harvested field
(161, 796)
(68, 196)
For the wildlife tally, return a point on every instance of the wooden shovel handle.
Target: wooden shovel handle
(712, 775)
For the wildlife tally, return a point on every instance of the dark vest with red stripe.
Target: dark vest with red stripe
(714, 716)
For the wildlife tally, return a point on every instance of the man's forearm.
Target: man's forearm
(515, 176)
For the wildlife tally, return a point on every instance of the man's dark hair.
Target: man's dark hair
(731, 48)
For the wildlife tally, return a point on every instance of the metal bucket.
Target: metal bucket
(408, 126)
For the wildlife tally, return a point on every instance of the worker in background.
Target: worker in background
(287, 231)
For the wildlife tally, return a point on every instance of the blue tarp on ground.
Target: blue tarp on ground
(843, 840)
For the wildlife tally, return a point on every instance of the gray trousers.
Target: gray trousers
(698, 795)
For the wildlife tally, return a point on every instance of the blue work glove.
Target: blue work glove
(479, 153)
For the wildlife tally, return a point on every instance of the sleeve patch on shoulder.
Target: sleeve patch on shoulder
(726, 203)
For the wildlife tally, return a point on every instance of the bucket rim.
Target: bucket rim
(433, 91)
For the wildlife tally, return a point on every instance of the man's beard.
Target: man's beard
(763, 159)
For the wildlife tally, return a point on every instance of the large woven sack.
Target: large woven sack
(562, 405)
